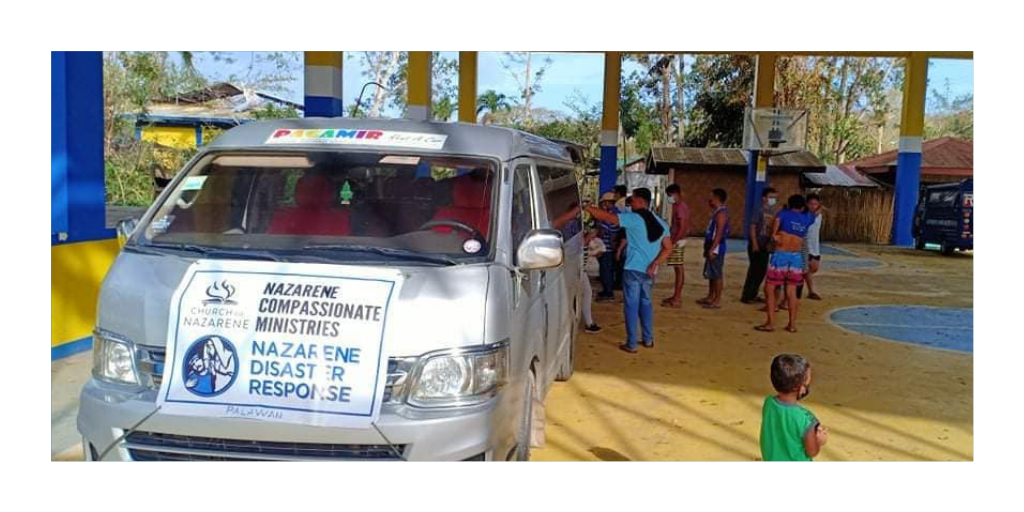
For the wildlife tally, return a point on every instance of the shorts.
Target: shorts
(814, 257)
(713, 270)
(785, 268)
(677, 257)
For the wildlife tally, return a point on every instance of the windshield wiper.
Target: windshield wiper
(404, 254)
(215, 252)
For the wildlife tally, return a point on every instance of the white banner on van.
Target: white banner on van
(284, 342)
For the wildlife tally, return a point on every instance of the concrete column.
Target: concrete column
(467, 87)
(418, 106)
(610, 121)
(908, 160)
(323, 84)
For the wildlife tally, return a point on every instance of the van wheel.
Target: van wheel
(919, 244)
(526, 422)
(947, 250)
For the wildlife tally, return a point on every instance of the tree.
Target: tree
(382, 68)
(657, 87)
(492, 102)
(271, 111)
(721, 86)
(520, 66)
(638, 117)
(847, 98)
(950, 116)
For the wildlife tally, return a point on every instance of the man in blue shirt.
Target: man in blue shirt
(648, 245)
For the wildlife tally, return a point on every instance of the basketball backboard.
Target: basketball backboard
(774, 130)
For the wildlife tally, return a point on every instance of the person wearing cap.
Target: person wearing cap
(606, 262)
(648, 246)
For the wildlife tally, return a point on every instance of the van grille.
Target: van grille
(147, 446)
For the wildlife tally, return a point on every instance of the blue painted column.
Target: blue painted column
(908, 160)
(908, 190)
(77, 193)
(755, 185)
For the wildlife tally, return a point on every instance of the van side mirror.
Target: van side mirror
(125, 228)
(540, 249)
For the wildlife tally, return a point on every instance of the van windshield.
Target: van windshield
(356, 206)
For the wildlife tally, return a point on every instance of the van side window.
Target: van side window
(561, 195)
(522, 210)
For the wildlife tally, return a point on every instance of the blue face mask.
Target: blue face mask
(772, 201)
(671, 199)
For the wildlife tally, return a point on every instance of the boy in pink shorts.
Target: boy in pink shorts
(786, 266)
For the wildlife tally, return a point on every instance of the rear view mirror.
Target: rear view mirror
(125, 228)
(540, 249)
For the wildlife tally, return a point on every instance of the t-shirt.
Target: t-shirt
(813, 236)
(783, 427)
(680, 220)
(639, 251)
(762, 223)
(795, 223)
(609, 232)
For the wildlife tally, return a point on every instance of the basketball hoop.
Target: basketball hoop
(774, 131)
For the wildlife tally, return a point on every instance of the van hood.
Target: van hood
(438, 307)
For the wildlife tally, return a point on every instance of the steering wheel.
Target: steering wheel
(474, 234)
(452, 224)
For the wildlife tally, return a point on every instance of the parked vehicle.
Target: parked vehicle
(945, 217)
(481, 226)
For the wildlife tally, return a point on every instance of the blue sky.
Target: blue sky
(567, 74)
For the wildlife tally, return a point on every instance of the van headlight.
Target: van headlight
(460, 377)
(113, 358)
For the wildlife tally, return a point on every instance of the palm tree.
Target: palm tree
(493, 102)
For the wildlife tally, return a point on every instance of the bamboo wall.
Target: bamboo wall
(859, 215)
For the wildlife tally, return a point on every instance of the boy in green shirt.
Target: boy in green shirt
(788, 430)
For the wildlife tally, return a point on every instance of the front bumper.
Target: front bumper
(106, 412)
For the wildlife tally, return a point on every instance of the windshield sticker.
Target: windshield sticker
(472, 246)
(358, 137)
(159, 226)
(193, 183)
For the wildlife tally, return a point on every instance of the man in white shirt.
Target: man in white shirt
(813, 241)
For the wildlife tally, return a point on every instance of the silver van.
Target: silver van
(480, 226)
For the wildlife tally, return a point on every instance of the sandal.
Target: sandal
(764, 328)
(814, 296)
(625, 348)
(712, 306)
(790, 328)
(703, 301)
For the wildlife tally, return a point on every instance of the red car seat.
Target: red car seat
(314, 212)
(471, 205)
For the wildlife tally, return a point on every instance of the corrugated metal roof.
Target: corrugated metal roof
(835, 176)
(663, 158)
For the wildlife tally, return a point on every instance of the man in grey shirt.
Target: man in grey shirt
(758, 240)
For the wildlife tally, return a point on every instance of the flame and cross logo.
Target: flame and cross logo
(220, 293)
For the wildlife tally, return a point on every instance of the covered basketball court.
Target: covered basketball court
(695, 398)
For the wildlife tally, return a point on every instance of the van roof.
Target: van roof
(461, 138)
